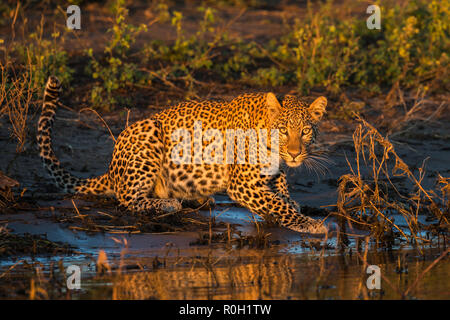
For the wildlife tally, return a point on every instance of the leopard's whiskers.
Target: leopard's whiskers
(318, 163)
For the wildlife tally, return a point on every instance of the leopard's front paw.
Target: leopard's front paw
(318, 228)
(315, 227)
(170, 205)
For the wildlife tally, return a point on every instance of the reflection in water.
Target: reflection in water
(283, 277)
(240, 274)
(266, 278)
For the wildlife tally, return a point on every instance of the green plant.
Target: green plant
(326, 50)
(316, 51)
(412, 47)
(239, 60)
(115, 71)
(47, 56)
(330, 51)
(187, 54)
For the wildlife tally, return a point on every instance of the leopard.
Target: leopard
(145, 179)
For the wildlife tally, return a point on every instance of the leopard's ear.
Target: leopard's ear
(273, 105)
(318, 108)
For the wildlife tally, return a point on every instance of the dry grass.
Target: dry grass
(6, 193)
(417, 109)
(371, 201)
(16, 97)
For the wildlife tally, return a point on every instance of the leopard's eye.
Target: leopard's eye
(306, 130)
(283, 130)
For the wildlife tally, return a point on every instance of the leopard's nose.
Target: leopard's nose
(294, 154)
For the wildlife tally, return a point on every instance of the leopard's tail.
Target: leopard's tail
(62, 178)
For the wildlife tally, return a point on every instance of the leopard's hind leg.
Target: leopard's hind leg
(136, 169)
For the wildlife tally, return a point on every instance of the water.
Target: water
(251, 274)
(167, 266)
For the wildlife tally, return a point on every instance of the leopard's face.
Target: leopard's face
(297, 125)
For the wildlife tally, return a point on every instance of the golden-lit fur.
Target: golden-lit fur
(144, 178)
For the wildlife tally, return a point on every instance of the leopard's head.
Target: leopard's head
(297, 124)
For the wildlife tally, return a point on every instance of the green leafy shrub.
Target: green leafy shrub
(187, 55)
(115, 71)
(328, 51)
(323, 50)
(45, 57)
(318, 50)
(411, 48)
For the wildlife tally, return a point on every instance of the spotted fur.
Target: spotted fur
(143, 177)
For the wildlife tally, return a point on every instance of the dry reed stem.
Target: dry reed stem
(103, 120)
(421, 275)
(18, 98)
(370, 199)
